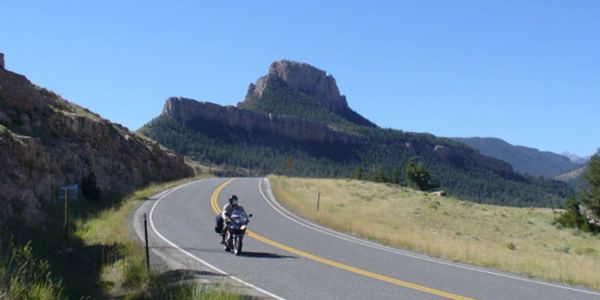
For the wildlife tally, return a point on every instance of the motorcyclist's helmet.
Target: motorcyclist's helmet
(233, 200)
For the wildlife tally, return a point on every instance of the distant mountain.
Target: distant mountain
(47, 142)
(295, 113)
(575, 158)
(523, 159)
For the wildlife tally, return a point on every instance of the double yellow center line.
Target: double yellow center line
(215, 207)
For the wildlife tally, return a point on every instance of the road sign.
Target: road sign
(71, 189)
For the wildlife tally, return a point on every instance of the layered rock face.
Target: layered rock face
(189, 110)
(47, 142)
(310, 81)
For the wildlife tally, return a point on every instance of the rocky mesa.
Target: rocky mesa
(47, 142)
(190, 111)
(291, 83)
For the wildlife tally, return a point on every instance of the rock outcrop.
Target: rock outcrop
(189, 110)
(47, 142)
(310, 81)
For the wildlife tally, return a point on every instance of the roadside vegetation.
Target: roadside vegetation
(583, 212)
(518, 240)
(101, 259)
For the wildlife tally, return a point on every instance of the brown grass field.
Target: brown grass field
(517, 240)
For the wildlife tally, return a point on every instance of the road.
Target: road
(287, 257)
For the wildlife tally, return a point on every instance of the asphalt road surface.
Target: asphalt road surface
(287, 257)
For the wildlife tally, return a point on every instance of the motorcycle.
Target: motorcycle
(235, 230)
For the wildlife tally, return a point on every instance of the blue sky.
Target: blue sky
(524, 71)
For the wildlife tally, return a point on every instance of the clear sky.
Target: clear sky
(525, 71)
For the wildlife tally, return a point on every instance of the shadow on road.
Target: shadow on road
(264, 255)
(244, 253)
(184, 274)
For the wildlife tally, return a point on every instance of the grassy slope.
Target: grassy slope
(519, 240)
(124, 270)
(104, 259)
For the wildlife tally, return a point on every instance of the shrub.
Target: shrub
(571, 217)
(511, 246)
(22, 276)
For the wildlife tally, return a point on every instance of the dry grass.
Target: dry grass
(518, 240)
(124, 272)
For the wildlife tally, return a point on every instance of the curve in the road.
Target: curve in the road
(410, 285)
(192, 256)
(330, 265)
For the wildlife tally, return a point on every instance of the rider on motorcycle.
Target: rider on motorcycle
(226, 212)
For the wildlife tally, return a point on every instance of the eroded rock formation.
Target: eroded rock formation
(47, 142)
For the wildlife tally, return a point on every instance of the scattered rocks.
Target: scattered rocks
(439, 193)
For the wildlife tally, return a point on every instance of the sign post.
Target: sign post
(68, 192)
(66, 223)
(318, 200)
(146, 241)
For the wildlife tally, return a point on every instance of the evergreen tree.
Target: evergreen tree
(89, 189)
(379, 175)
(418, 175)
(571, 217)
(396, 175)
(591, 195)
(358, 172)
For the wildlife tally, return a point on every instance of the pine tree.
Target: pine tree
(418, 175)
(395, 175)
(571, 217)
(379, 175)
(358, 172)
(591, 195)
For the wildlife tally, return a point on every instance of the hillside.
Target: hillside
(323, 137)
(518, 240)
(523, 159)
(573, 178)
(47, 142)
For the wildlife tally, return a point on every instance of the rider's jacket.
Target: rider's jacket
(227, 209)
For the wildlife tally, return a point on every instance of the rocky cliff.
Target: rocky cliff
(308, 82)
(189, 111)
(47, 141)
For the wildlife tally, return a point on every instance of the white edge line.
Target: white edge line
(287, 214)
(195, 257)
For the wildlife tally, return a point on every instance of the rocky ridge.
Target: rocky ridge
(47, 141)
(189, 110)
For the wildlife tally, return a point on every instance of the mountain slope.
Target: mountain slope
(523, 159)
(573, 178)
(47, 142)
(323, 141)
